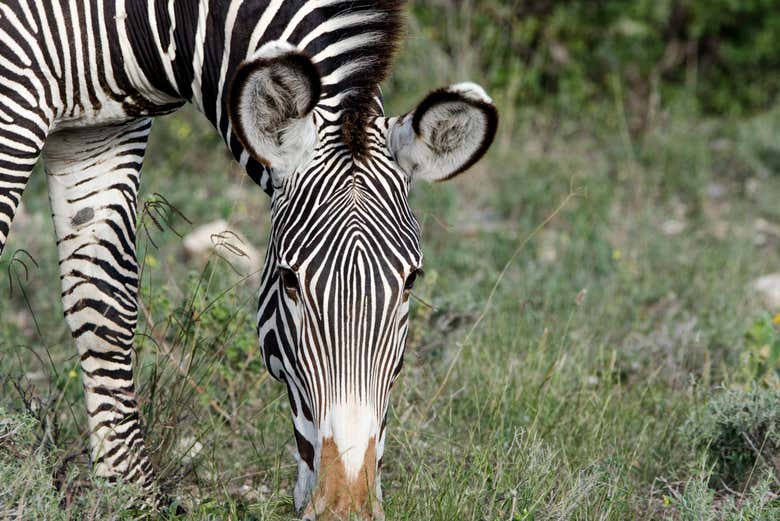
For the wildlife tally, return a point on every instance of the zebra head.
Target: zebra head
(343, 255)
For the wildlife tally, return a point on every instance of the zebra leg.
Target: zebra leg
(93, 177)
(20, 146)
(25, 120)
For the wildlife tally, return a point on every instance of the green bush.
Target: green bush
(726, 51)
(740, 432)
(760, 358)
(698, 501)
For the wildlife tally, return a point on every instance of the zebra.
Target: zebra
(292, 86)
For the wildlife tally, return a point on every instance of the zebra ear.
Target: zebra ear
(449, 131)
(270, 105)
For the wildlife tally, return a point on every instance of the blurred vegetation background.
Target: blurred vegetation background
(571, 52)
(598, 331)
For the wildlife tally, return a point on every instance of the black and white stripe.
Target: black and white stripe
(80, 82)
(335, 333)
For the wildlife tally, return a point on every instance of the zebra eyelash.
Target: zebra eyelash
(413, 276)
(289, 281)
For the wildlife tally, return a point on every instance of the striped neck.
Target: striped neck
(190, 49)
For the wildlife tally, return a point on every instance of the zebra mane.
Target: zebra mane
(359, 89)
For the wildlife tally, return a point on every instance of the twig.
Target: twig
(16, 259)
(154, 208)
(423, 302)
(12, 272)
(446, 226)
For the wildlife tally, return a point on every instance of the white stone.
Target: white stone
(768, 288)
(673, 227)
(218, 237)
(716, 190)
(189, 448)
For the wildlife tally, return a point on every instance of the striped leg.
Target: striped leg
(25, 118)
(93, 183)
(20, 146)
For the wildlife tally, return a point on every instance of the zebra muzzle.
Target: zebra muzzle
(342, 491)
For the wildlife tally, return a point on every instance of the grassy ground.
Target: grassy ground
(589, 291)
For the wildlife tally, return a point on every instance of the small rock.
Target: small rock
(559, 53)
(719, 228)
(673, 227)
(721, 145)
(548, 251)
(548, 255)
(20, 319)
(189, 448)
(766, 228)
(768, 288)
(217, 237)
(716, 190)
(36, 376)
(249, 493)
(752, 186)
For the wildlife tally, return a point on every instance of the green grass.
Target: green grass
(620, 316)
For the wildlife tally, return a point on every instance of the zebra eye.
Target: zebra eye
(289, 281)
(409, 284)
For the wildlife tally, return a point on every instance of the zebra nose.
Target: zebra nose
(377, 515)
(339, 495)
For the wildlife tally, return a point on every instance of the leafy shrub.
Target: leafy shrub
(698, 501)
(740, 432)
(760, 359)
(727, 51)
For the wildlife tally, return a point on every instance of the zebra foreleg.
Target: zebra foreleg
(19, 150)
(93, 180)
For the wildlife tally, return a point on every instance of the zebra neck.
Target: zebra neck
(192, 48)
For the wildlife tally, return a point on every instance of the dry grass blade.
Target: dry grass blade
(16, 261)
(160, 212)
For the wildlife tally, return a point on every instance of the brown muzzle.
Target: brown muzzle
(338, 495)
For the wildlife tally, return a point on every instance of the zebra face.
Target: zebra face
(343, 257)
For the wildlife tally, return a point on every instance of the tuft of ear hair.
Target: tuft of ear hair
(270, 101)
(449, 131)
